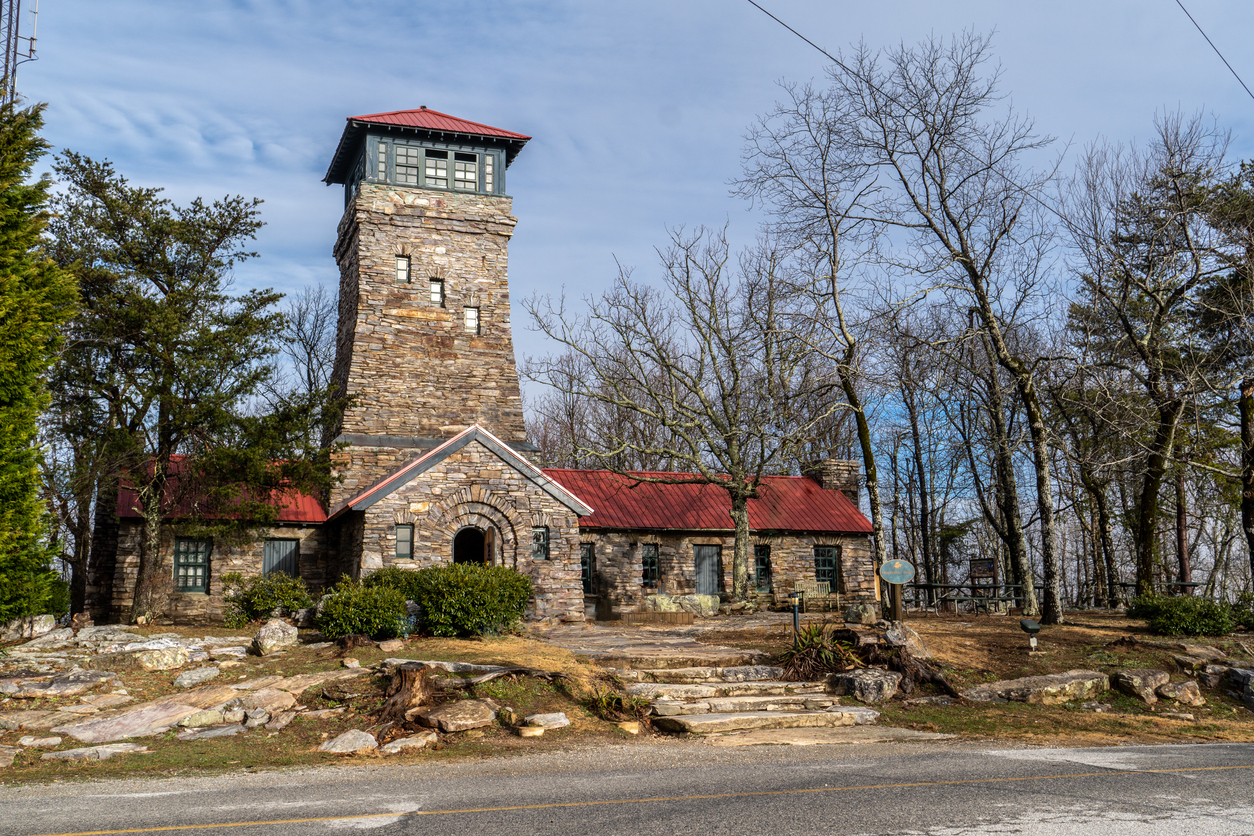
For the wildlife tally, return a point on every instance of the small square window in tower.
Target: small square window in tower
(437, 293)
(402, 269)
(651, 572)
(540, 542)
(404, 542)
(436, 172)
(472, 320)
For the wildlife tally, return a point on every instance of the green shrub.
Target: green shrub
(1191, 616)
(353, 608)
(1145, 606)
(815, 653)
(403, 581)
(253, 598)
(1243, 611)
(469, 599)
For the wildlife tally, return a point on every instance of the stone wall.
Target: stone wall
(417, 372)
(619, 586)
(474, 487)
(318, 568)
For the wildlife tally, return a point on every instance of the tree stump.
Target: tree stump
(410, 689)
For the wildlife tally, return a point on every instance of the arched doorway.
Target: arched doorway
(468, 546)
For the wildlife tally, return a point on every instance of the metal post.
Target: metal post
(898, 608)
(796, 613)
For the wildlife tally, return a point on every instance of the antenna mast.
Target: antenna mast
(10, 19)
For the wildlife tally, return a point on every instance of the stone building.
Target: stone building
(433, 450)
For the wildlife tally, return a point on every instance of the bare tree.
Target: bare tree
(706, 359)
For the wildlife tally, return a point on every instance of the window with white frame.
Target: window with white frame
(436, 172)
(540, 542)
(402, 269)
(471, 318)
(437, 293)
(408, 161)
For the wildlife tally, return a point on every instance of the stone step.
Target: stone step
(703, 691)
(745, 720)
(703, 674)
(728, 705)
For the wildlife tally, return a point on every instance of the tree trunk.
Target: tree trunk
(1051, 613)
(102, 562)
(925, 528)
(1182, 532)
(740, 550)
(1246, 405)
(868, 459)
(410, 688)
(151, 496)
(1147, 506)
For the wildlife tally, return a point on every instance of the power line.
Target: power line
(1208, 40)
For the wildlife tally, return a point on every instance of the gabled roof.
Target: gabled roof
(785, 503)
(422, 122)
(293, 506)
(402, 476)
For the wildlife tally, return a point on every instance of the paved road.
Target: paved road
(687, 787)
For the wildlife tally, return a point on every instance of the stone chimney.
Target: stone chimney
(837, 475)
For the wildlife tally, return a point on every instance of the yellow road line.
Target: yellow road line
(655, 800)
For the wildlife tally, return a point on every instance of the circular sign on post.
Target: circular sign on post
(897, 571)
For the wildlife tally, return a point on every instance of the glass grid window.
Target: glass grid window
(404, 542)
(827, 566)
(436, 171)
(402, 269)
(383, 161)
(191, 565)
(540, 542)
(488, 160)
(762, 568)
(587, 566)
(466, 172)
(649, 565)
(437, 293)
(472, 320)
(408, 160)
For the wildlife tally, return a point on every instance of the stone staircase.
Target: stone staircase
(738, 698)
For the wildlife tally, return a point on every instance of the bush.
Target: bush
(403, 581)
(1243, 611)
(468, 599)
(1191, 616)
(353, 608)
(254, 598)
(816, 653)
(1145, 606)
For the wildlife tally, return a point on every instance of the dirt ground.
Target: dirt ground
(974, 649)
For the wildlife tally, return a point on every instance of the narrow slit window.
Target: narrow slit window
(540, 542)
(383, 162)
(488, 166)
(762, 568)
(436, 172)
(472, 320)
(404, 542)
(651, 572)
(402, 269)
(437, 293)
(588, 567)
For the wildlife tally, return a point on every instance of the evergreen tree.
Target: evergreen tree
(35, 298)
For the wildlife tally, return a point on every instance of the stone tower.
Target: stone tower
(424, 341)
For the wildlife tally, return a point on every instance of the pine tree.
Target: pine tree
(36, 297)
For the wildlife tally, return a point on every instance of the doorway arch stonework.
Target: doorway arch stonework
(479, 509)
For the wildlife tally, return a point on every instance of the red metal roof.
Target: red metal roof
(294, 507)
(434, 120)
(785, 503)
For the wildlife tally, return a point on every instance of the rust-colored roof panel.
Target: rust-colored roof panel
(784, 503)
(434, 120)
(293, 506)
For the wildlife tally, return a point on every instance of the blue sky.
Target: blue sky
(637, 109)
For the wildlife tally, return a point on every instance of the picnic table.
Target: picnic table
(933, 596)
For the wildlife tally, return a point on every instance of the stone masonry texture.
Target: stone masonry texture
(415, 370)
